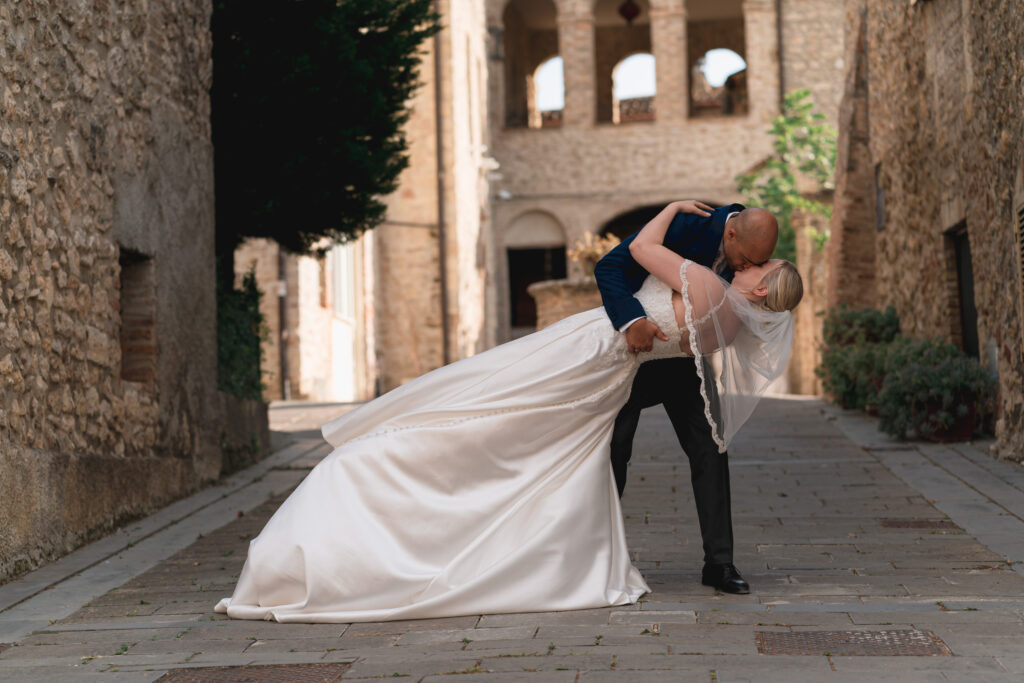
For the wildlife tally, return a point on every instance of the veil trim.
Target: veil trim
(697, 355)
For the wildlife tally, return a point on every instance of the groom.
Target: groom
(728, 239)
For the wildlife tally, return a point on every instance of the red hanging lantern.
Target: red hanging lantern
(629, 11)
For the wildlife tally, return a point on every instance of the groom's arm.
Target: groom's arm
(618, 267)
(613, 273)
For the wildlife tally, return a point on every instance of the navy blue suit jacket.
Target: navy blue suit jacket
(619, 276)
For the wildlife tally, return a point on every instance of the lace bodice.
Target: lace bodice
(656, 298)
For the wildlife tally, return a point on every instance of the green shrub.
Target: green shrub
(240, 331)
(853, 360)
(853, 374)
(843, 326)
(931, 392)
(904, 351)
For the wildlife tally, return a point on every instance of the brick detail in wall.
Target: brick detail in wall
(138, 318)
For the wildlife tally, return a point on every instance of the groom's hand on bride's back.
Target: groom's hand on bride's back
(640, 335)
(693, 206)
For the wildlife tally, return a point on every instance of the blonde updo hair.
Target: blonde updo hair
(785, 288)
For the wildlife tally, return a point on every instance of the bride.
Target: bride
(485, 486)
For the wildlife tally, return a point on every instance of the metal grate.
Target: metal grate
(918, 524)
(271, 673)
(902, 643)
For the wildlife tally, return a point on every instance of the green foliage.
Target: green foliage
(844, 326)
(931, 395)
(853, 374)
(240, 331)
(853, 360)
(309, 101)
(903, 352)
(804, 145)
(915, 385)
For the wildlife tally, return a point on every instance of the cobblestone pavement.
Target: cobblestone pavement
(854, 546)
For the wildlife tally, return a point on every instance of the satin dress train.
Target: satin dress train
(482, 487)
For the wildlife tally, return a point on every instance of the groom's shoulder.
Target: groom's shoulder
(727, 209)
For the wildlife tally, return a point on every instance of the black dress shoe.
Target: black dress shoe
(725, 578)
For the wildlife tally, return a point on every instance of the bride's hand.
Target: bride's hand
(693, 206)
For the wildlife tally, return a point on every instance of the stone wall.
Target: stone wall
(105, 162)
(851, 249)
(812, 263)
(812, 51)
(945, 85)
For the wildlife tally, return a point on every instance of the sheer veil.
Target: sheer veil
(739, 348)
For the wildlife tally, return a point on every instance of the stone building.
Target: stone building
(108, 353)
(930, 186)
(510, 187)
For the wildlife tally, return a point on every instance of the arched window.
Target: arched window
(535, 247)
(549, 94)
(716, 45)
(718, 84)
(529, 38)
(634, 85)
(615, 39)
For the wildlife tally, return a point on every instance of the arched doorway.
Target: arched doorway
(535, 249)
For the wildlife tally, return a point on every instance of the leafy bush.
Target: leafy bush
(933, 395)
(240, 331)
(853, 360)
(844, 326)
(903, 352)
(853, 374)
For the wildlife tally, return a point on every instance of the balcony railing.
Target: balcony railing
(636, 109)
(551, 119)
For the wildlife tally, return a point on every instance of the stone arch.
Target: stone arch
(534, 243)
(549, 94)
(529, 37)
(715, 25)
(614, 40)
(634, 104)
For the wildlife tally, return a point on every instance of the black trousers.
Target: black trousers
(674, 383)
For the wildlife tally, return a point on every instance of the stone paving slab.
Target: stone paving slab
(811, 487)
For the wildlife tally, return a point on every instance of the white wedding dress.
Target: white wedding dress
(484, 486)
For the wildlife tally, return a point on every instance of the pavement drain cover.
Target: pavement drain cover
(917, 524)
(276, 673)
(905, 643)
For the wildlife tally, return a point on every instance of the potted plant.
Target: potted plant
(589, 250)
(558, 299)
